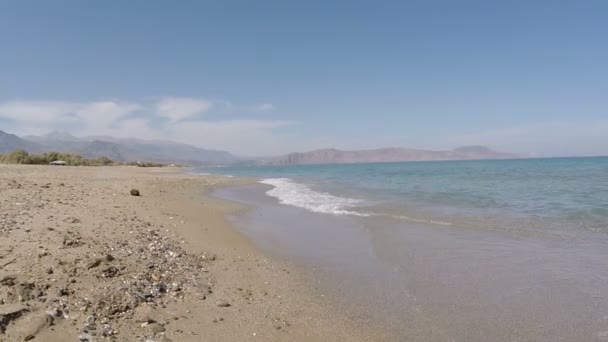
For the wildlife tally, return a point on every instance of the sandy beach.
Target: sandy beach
(83, 259)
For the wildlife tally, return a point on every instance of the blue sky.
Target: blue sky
(268, 77)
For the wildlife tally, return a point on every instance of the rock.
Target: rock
(107, 330)
(89, 323)
(144, 314)
(155, 328)
(33, 324)
(12, 279)
(135, 192)
(49, 270)
(85, 337)
(222, 303)
(94, 263)
(71, 220)
(110, 272)
(8, 313)
(54, 313)
(12, 309)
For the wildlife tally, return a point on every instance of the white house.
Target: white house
(58, 163)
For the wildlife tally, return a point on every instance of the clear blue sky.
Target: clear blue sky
(265, 77)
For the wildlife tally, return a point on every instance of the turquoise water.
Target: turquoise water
(558, 195)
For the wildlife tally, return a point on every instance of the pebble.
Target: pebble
(155, 328)
(85, 337)
(54, 313)
(222, 303)
(94, 264)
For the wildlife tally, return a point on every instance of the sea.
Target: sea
(489, 250)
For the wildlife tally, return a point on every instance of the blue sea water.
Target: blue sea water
(493, 250)
(542, 195)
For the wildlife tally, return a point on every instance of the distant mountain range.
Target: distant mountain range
(117, 149)
(384, 155)
(122, 150)
(11, 142)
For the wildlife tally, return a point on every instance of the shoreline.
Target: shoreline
(174, 237)
(430, 283)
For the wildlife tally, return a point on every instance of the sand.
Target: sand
(83, 259)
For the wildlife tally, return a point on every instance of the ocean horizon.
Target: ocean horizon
(542, 195)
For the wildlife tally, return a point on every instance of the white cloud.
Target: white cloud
(40, 112)
(104, 114)
(246, 137)
(176, 109)
(265, 107)
(133, 128)
(86, 115)
(149, 121)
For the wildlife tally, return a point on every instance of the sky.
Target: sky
(270, 77)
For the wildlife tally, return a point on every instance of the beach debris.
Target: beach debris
(135, 192)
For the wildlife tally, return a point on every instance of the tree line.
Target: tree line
(20, 156)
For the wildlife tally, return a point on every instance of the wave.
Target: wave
(299, 195)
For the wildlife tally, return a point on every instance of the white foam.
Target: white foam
(299, 195)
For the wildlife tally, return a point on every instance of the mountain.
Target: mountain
(116, 152)
(11, 142)
(384, 155)
(119, 149)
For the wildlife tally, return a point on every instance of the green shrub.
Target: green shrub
(22, 157)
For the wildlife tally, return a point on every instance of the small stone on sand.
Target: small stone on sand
(222, 303)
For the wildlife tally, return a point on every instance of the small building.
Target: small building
(58, 163)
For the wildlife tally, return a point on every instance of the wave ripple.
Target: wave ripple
(299, 195)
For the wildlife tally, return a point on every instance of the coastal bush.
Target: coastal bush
(20, 156)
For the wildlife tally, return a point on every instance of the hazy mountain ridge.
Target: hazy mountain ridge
(132, 149)
(393, 154)
(117, 149)
(10, 142)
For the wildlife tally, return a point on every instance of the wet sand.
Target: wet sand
(434, 283)
(80, 258)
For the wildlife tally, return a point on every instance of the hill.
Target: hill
(11, 142)
(119, 149)
(333, 156)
